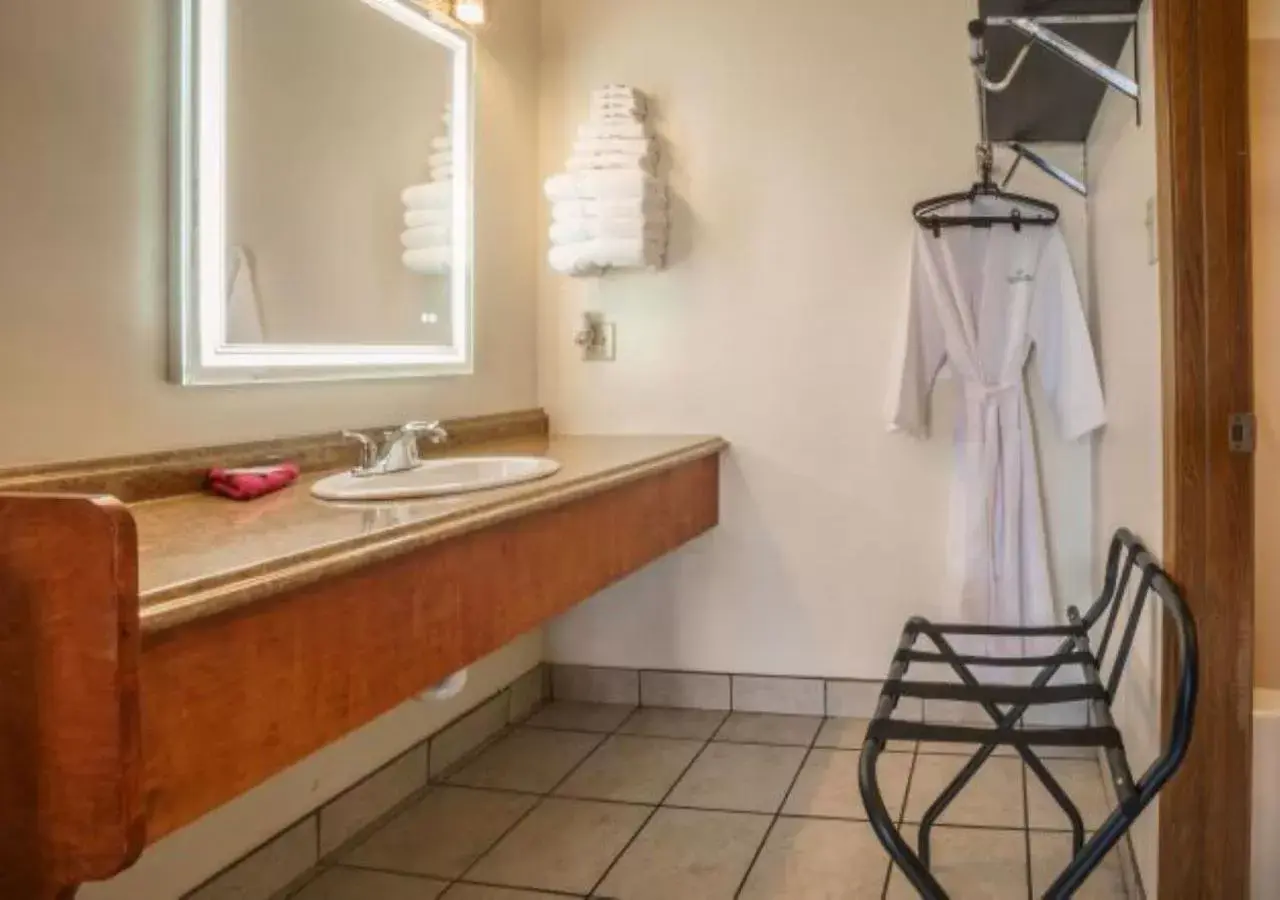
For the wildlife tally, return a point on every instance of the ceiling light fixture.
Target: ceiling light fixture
(469, 12)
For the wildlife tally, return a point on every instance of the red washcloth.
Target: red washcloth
(250, 484)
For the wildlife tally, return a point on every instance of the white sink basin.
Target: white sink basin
(437, 477)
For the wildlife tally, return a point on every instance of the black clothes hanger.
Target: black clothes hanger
(1044, 213)
(925, 211)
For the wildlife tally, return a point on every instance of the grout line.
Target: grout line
(507, 887)
(717, 809)
(543, 798)
(649, 818)
(786, 795)
(902, 814)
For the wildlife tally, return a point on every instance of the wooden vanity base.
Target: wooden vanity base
(228, 701)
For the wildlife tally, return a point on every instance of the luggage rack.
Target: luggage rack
(1126, 555)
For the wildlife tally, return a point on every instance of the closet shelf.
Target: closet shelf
(1052, 99)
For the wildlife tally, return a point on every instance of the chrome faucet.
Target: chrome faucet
(399, 451)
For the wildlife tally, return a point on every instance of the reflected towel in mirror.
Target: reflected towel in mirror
(432, 195)
(428, 260)
(425, 237)
(417, 218)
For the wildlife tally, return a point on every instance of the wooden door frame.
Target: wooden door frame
(1201, 49)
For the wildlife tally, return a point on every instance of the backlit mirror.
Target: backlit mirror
(322, 191)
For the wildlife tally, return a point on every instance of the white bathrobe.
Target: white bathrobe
(980, 300)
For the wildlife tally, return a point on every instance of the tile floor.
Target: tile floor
(588, 800)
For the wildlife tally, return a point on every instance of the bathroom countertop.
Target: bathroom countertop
(201, 555)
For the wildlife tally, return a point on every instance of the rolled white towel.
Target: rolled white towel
(625, 127)
(442, 173)
(432, 195)
(443, 158)
(573, 261)
(597, 255)
(417, 218)
(638, 146)
(441, 144)
(426, 237)
(614, 161)
(651, 206)
(612, 114)
(618, 92)
(573, 232)
(627, 105)
(428, 261)
(601, 185)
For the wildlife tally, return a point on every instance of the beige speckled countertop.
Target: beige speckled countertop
(201, 555)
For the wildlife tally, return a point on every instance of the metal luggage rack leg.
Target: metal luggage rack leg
(1009, 730)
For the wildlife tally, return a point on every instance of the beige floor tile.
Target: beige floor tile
(687, 853)
(742, 777)
(443, 834)
(356, 884)
(563, 845)
(527, 759)
(971, 864)
(631, 769)
(851, 734)
(828, 785)
(766, 728)
(1050, 854)
(816, 859)
(485, 892)
(693, 724)
(992, 798)
(844, 734)
(1082, 780)
(571, 716)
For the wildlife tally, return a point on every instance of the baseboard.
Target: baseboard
(737, 691)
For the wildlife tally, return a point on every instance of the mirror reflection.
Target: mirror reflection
(340, 176)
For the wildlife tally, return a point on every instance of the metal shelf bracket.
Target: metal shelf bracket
(1037, 29)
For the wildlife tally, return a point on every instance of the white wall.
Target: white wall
(83, 246)
(800, 141)
(1122, 179)
(84, 243)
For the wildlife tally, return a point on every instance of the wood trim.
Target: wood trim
(1202, 103)
(231, 700)
(70, 760)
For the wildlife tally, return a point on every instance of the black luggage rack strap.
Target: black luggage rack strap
(1126, 555)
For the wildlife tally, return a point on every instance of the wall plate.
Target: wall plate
(598, 339)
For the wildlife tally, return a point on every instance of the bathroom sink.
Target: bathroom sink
(436, 478)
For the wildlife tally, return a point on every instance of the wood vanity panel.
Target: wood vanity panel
(231, 700)
(70, 761)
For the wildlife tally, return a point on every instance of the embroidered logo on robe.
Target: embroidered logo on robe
(1021, 277)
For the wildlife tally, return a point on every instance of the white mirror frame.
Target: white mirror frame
(199, 353)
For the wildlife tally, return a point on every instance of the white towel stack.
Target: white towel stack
(610, 207)
(428, 215)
